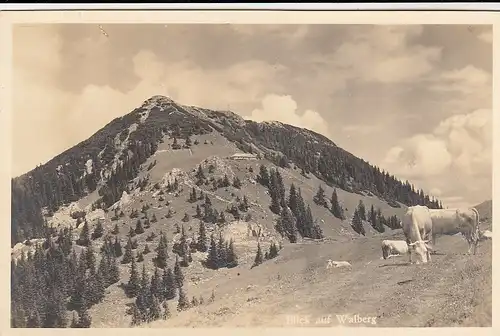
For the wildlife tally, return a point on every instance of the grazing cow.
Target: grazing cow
(417, 225)
(393, 247)
(453, 221)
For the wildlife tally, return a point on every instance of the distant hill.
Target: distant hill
(485, 210)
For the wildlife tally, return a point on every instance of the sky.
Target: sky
(415, 100)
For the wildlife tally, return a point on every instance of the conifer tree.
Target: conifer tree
(128, 256)
(116, 230)
(154, 219)
(178, 276)
(168, 284)
(202, 238)
(212, 261)
(258, 257)
(136, 315)
(84, 320)
(198, 212)
(335, 205)
(90, 258)
(98, 230)
(183, 302)
(263, 177)
(287, 224)
(84, 239)
(232, 259)
(273, 251)
(361, 210)
(140, 257)
(186, 218)
(166, 311)
(156, 283)
(319, 198)
(146, 249)
(138, 227)
(222, 257)
(162, 254)
(155, 309)
(117, 248)
(357, 224)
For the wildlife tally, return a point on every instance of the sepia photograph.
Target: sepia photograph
(168, 175)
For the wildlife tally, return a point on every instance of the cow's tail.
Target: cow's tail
(475, 231)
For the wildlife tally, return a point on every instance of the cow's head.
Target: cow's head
(420, 249)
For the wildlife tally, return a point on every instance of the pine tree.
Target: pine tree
(186, 218)
(202, 238)
(263, 177)
(138, 227)
(357, 224)
(155, 309)
(140, 257)
(335, 205)
(168, 284)
(361, 210)
(90, 258)
(319, 198)
(373, 217)
(259, 259)
(146, 249)
(178, 276)
(128, 256)
(117, 248)
(183, 302)
(221, 250)
(84, 320)
(98, 230)
(212, 261)
(84, 239)
(273, 251)
(232, 258)
(162, 254)
(287, 223)
(116, 229)
(198, 212)
(136, 315)
(166, 311)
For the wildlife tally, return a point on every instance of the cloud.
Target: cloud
(284, 109)
(384, 54)
(486, 36)
(460, 146)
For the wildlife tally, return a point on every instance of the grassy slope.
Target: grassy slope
(206, 280)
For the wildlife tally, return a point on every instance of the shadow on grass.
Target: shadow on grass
(395, 264)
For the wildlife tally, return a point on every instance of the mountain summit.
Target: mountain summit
(182, 216)
(111, 158)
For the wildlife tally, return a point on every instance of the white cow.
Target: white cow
(453, 221)
(417, 225)
(393, 247)
(337, 264)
